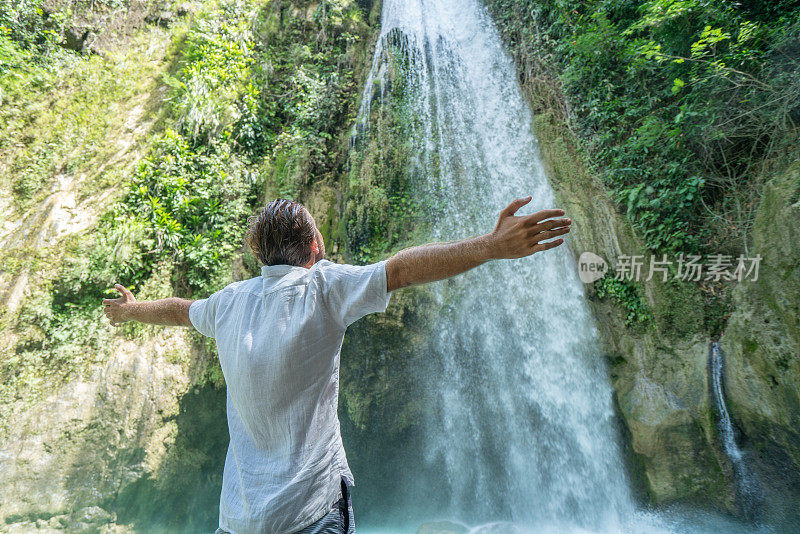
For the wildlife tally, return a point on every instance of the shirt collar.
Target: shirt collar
(268, 271)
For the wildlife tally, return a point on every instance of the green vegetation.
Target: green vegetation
(246, 102)
(59, 109)
(193, 205)
(253, 111)
(27, 30)
(384, 206)
(626, 294)
(682, 106)
(64, 119)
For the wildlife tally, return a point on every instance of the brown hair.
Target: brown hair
(281, 233)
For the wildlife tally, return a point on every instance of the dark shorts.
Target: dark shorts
(339, 520)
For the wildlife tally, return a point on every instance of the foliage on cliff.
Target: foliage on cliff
(254, 98)
(682, 107)
(680, 102)
(70, 124)
(258, 102)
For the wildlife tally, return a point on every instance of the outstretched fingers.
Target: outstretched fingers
(539, 216)
(540, 247)
(519, 236)
(515, 205)
(124, 290)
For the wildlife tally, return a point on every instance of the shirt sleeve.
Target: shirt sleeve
(203, 315)
(353, 291)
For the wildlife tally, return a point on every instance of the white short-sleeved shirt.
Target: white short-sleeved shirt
(279, 337)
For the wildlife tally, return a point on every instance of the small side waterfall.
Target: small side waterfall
(726, 431)
(746, 486)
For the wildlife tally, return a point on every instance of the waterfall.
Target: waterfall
(726, 431)
(746, 487)
(519, 428)
(521, 423)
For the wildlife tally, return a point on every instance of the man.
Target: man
(279, 337)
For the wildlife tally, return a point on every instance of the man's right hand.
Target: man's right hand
(519, 236)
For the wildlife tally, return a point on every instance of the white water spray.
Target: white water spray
(522, 424)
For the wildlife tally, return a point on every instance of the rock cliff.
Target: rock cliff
(762, 341)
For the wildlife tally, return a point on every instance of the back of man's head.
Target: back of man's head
(281, 233)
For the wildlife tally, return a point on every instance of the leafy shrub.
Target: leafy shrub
(213, 87)
(625, 293)
(30, 26)
(681, 103)
(194, 202)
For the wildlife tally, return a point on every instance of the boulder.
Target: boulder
(74, 38)
(93, 515)
(80, 39)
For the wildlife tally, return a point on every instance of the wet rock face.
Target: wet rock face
(661, 406)
(51, 456)
(762, 340)
(120, 446)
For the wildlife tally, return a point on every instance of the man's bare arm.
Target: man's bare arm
(169, 312)
(513, 237)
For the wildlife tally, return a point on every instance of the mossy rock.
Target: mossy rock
(762, 339)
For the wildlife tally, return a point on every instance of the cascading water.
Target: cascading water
(747, 492)
(519, 427)
(522, 425)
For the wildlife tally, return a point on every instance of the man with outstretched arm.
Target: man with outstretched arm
(279, 336)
